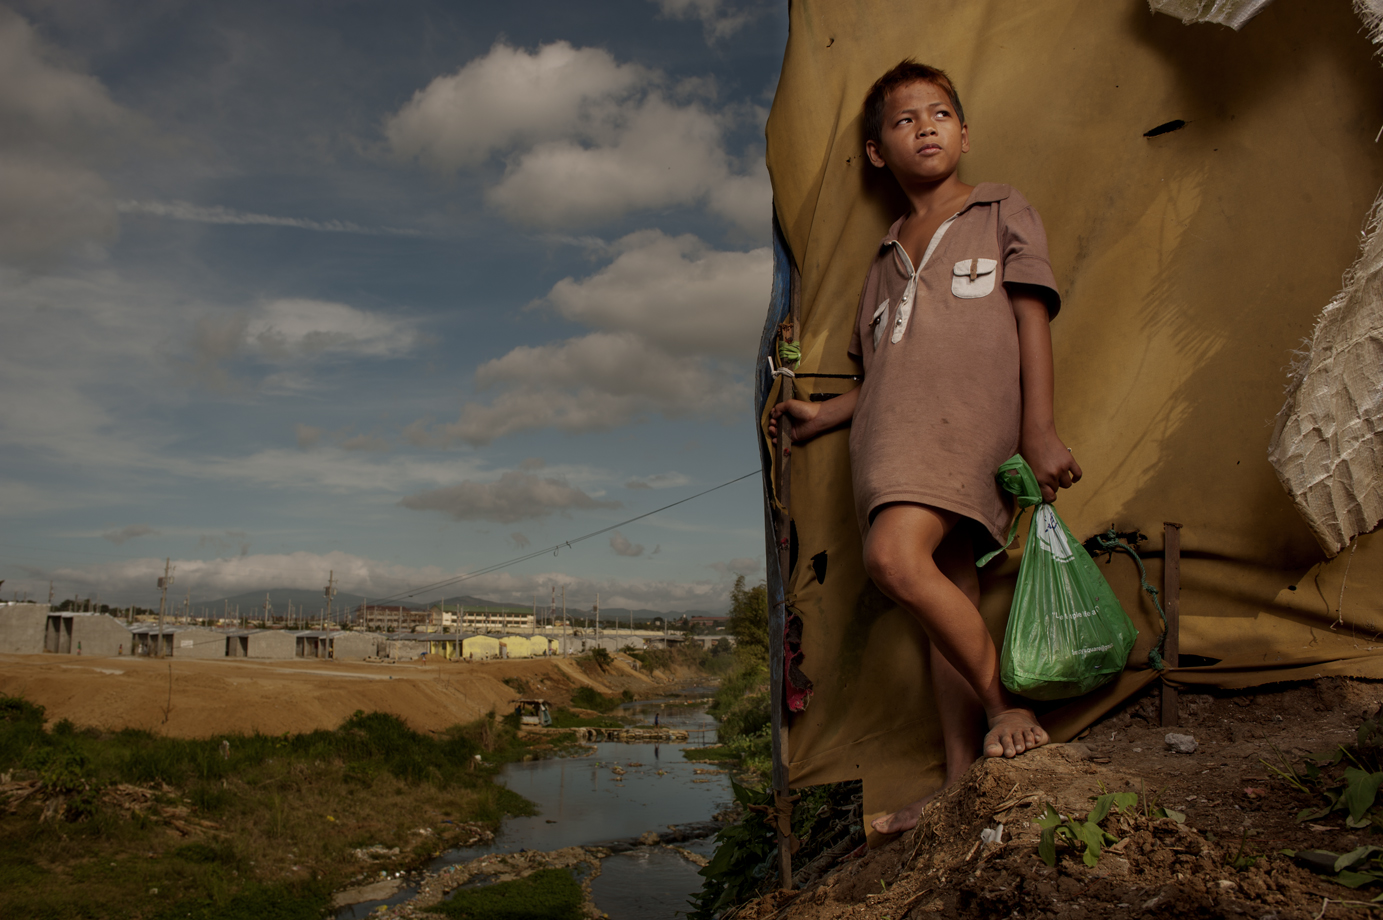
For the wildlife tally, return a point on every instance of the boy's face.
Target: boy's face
(922, 139)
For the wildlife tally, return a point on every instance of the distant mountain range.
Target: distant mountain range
(251, 604)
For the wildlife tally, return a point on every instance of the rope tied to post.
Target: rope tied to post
(1109, 542)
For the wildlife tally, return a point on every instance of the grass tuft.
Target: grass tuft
(547, 894)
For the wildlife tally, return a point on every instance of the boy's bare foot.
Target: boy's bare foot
(1012, 732)
(904, 819)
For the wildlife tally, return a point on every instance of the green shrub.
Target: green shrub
(590, 698)
(548, 894)
(563, 717)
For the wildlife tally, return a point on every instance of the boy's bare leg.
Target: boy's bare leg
(957, 705)
(899, 556)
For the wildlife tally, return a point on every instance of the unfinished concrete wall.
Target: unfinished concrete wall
(354, 646)
(98, 634)
(272, 643)
(198, 643)
(406, 649)
(22, 627)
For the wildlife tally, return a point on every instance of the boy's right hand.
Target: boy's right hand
(803, 416)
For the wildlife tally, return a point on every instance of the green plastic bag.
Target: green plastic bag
(1066, 632)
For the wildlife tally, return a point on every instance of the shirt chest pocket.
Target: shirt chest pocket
(973, 278)
(878, 324)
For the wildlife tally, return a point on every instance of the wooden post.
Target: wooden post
(1171, 606)
(784, 529)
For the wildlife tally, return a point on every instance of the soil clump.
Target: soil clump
(1200, 834)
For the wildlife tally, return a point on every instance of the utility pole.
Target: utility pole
(50, 594)
(330, 593)
(163, 584)
(564, 619)
(596, 610)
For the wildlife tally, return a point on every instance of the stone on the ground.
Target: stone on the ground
(1182, 744)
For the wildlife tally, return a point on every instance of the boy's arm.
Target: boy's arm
(810, 419)
(1050, 459)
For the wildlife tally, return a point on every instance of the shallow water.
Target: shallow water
(647, 882)
(583, 801)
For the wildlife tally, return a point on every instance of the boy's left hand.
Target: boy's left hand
(1051, 461)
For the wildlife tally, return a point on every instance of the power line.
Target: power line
(413, 592)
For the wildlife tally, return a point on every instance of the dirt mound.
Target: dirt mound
(189, 698)
(1194, 834)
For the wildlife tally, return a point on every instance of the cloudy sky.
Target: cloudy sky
(401, 290)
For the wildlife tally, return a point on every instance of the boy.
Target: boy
(957, 359)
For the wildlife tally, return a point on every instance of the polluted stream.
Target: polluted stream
(618, 793)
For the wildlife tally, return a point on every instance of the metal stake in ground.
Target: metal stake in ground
(1171, 602)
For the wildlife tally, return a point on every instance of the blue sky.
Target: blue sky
(400, 290)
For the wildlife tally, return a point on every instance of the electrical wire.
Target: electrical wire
(413, 592)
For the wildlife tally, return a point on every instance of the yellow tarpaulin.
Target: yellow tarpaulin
(1192, 263)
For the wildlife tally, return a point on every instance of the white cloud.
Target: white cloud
(661, 156)
(56, 126)
(744, 565)
(592, 383)
(675, 292)
(129, 532)
(586, 139)
(658, 481)
(720, 18)
(622, 547)
(506, 98)
(287, 332)
(679, 324)
(132, 581)
(216, 214)
(515, 496)
(293, 328)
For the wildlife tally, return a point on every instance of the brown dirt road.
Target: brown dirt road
(192, 698)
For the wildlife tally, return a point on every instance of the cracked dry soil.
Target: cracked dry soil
(1235, 810)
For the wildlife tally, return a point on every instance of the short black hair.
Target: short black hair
(904, 72)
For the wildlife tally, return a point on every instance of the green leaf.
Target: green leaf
(1354, 857)
(1352, 879)
(1120, 800)
(1360, 790)
(1046, 847)
(1311, 814)
(1093, 837)
(1049, 819)
(1178, 816)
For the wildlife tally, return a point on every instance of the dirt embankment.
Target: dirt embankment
(191, 698)
(1214, 850)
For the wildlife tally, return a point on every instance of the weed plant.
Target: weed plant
(590, 698)
(1348, 777)
(565, 718)
(547, 894)
(284, 813)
